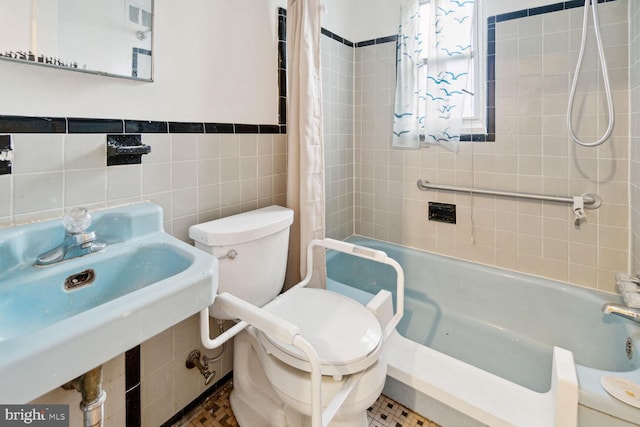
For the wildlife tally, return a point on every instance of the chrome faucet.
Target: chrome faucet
(77, 241)
(622, 311)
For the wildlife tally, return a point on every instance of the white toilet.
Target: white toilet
(272, 385)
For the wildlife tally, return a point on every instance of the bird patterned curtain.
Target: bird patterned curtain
(433, 60)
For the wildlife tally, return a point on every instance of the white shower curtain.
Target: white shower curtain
(305, 179)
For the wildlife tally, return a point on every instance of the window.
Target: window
(475, 112)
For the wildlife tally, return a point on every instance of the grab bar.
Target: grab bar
(591, 201)
(580, 203)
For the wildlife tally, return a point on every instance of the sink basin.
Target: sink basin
(59, 321)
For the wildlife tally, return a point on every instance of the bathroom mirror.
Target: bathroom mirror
(106, 37)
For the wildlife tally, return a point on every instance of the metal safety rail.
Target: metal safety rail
(579, 203)
(591, 201)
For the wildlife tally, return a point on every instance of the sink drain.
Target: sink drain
(628, 348)
(77, 280)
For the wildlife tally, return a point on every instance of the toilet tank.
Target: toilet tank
(252, 251)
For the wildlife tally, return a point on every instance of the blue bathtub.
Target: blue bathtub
(497, 325)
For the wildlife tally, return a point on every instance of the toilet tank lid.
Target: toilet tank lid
(242, 227)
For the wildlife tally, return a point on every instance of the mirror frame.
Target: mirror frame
(29, 59)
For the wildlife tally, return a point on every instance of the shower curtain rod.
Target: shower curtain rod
(591, 201)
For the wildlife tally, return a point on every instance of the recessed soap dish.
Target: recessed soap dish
(125, 149)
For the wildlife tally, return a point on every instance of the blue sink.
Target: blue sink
(59, 321)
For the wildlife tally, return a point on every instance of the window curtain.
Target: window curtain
(449, 58)
(406, 115)
(305, 156)
(430, 98)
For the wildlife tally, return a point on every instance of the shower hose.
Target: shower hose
(605, 76)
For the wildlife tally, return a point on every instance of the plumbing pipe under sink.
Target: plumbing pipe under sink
(93, 396)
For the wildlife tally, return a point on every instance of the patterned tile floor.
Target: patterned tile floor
(216, 412)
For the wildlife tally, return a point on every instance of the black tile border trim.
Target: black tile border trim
(25, 124)
(145, 126)
(379, 40)
(85, 125)
(74, 125)
(186, 127)
(132, 396)
(555, 7)
(336, 37)
(282, 69)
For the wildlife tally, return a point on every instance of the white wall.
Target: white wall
(359, 20)
(205, 70)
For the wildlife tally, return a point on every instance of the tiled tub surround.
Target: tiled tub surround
(194, 177)
(535, 59)
(338, 129)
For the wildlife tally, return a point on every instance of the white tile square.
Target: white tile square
(124, 181)
(37, 153)
(184, 202)
(84, 187)
(85, 151)
(6, 195)
(156, 178)
(208, 197)
(160, 148)
(208, 146)
(184, 175)
(184, 146)
(37, 192)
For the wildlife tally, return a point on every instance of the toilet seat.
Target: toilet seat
(346, 335)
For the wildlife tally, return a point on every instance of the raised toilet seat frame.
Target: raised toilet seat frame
(286, 332)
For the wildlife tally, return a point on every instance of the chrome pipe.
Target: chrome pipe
(193, 361)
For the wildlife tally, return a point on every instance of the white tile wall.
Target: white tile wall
(183, 173)
(338, 104)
